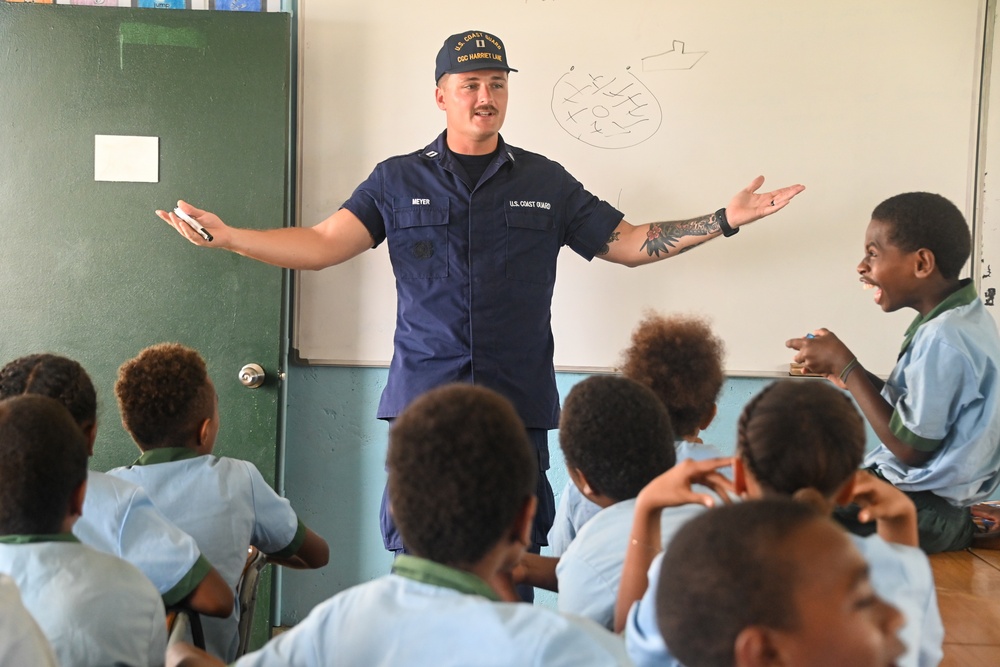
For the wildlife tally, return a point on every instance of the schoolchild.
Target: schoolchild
(938, 414)
(805, 440)
(616, 437)
(680, 359)
(118, 517)
(169, 407)
(462, 473)
(772, 582)
(94, 608)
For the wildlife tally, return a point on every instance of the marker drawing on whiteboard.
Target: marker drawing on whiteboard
(605, 109)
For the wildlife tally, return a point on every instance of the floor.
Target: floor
(968, 588)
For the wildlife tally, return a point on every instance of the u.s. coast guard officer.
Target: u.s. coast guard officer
(474, 226)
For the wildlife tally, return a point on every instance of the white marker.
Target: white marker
(194, 224)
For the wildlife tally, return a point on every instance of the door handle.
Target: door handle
(252, 376)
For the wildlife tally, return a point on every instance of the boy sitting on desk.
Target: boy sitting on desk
(94, 608)
(170, 408)
(462, 478)
(938, 414)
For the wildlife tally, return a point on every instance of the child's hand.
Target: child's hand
(822, 352)
(673, 487)
(891, 509)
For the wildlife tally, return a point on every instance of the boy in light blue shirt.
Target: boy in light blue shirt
(170, 408)
(94, 608)
(462, 476)
(938, 414)
(118, 517)
(616, 436)
(680, 359)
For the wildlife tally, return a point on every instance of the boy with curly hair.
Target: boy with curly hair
(169, 407)
(680, 359)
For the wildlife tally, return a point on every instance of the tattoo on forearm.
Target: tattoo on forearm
(606, 248)
(664, 235)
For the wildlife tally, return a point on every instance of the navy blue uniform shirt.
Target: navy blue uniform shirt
(475, 265)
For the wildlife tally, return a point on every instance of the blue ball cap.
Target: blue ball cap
(469, 51)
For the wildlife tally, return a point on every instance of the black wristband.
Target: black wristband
(720, 216)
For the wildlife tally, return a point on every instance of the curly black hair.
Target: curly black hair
(680, 359)
(164, 395)
(617, 433)
(925, 220)
(461, 467)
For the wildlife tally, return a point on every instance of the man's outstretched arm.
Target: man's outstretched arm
(635, 245)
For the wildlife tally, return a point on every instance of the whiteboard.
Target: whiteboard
(858, 100)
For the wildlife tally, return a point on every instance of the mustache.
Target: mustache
(487, 108)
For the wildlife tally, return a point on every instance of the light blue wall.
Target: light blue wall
(334, 471)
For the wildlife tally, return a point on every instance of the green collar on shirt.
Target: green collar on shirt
(429, 572)
(165, 455)
(31, 539)
(963, 296)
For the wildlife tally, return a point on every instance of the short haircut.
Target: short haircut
(43, 460)
(798, 434)
(617, 433)
(728, 569)
(53, 376)
(924, 220)
(461, 468)
(164, 395)
(680, 359)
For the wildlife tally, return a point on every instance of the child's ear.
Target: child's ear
(925, 263)
(755, 647)
(75, 509)
(524, 521)
(207, 433)
(845, 492)
(739, 476)
(580, 480)
(90, 433)
(709, 417)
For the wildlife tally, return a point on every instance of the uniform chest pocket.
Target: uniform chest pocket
(532, 245)
(418, 247)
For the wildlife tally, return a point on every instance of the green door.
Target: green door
(86, 269)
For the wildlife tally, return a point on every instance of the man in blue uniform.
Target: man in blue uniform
(474, 227)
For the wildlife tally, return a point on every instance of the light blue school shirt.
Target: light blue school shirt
(575, 509)
(21, 640)
(899, 574)
(428, 614)
(226, 506)
(95, 609)
(945, 391)
(120, 519)
(590, 571)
